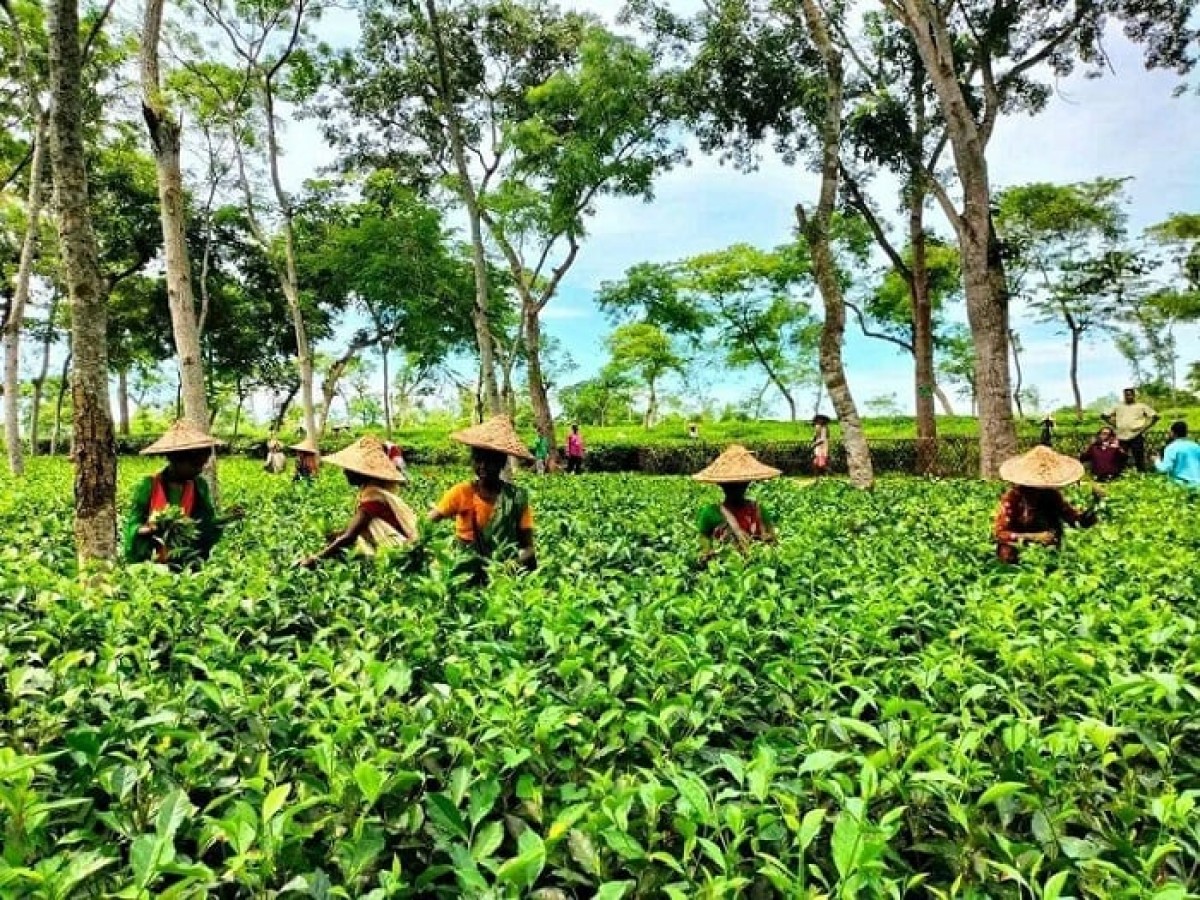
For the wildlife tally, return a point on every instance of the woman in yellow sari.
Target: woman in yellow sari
(381, 519)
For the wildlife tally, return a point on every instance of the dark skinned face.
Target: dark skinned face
(488, 465)
(187, 465)
(1129, 396)
(735, 493)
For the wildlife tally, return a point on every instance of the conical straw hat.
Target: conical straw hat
(1041, 467)
(366, 456)
(735, 466)
(308, 445)
(498, 434)
(179, 437)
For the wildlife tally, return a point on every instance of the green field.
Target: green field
(873, 708)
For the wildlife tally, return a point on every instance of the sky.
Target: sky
(1126, 124)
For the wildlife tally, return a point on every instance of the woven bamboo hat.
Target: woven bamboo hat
(182, 436)
(736, 465)
(1041, 467)
(308, 445)
(366, 456)
(498, 434)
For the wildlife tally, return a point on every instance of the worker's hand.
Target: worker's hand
(308, 562)
(1043, 537)
(527, 558)
(148, 529)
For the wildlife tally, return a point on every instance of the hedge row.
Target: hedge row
(955, 456)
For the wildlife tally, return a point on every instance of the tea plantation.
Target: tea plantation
(875, 708)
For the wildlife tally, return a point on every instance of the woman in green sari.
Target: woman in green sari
(171, 517)
(492, 518)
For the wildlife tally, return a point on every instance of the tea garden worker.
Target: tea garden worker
(820, 444)
(735, 519)
(308, 460)
(276, 461)
(381, 519)
(1181, 459)
(1105, 455)
(492, 518)
(1033, 510)
(1132, 420)
(171, 517)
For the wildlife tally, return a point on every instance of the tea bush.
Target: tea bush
(875, 708)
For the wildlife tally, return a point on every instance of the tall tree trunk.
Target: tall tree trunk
(123, 402)
(164, 129)
(94, 445)
(289, 279)
(1018, 387)
(943, 399)
(651, 405)
(64, 383)
(1075, 337)
(816, 230)
(922, 307)
(543, 416)
(480, 315)
(983, 269)
(387, 391)
(39, 383)
(284, 405)
(16, 316)
(39, 135)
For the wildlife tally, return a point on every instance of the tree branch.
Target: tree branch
(878, 335)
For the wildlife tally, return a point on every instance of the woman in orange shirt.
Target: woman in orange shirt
(492, 518)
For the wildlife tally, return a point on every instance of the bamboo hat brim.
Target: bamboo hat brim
(180, 437)
(498, 434)
(305, 446)
(1041, 467)
(366, 456)
(736, 465)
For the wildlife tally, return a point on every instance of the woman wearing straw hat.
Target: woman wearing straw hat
(308, 460)
(492, 518)
(735, 519)
(1033, 510)
(381, 519)
(153, 530)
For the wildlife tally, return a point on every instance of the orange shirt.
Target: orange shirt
(462, 500)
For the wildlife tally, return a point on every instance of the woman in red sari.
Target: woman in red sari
(1033, 510)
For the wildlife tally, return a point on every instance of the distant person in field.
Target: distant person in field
(575, 451)
(276, 461)
(493, 519)
(308, 460)
(1132, 420)
(541, 455)
(1105, 455)
(1181, 459)
(694, 431)
(736, 520)
(820, 444)
(381, 519)
(171, 517)
(1046, 438)
(1033, 510)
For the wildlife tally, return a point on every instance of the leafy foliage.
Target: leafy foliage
(873, 708)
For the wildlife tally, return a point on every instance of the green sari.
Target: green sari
(498, 539)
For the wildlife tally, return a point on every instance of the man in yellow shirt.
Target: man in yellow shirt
(1132, 420)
